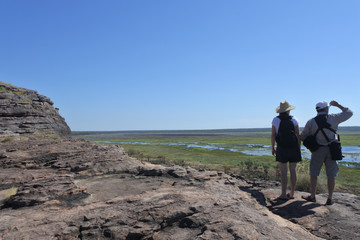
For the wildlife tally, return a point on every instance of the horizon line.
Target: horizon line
(213, 129)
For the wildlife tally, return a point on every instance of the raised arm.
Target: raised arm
(336, 104)
(345, 114)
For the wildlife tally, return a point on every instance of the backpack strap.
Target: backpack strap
(317, 131)
(322, 125)
(327, 138)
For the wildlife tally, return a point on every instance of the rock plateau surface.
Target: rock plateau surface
(74, 189)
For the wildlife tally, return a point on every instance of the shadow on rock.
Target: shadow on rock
(293, 209)
(286, 208)
(257, 194)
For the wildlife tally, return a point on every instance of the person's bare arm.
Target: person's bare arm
(336, 104)
(273, 134)
(297, 133)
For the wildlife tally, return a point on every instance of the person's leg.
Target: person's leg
(283, 173)
(316, 162)
(313, 183)
(331, 186)
(332, 169)
(292, 168)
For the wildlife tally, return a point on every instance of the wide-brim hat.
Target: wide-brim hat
(284, 107)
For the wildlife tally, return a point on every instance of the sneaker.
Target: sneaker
(289, 197)
(309, 198)
(329, 202)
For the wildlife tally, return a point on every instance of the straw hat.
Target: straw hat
(284, 107)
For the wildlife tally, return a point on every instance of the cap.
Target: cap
(321, 105)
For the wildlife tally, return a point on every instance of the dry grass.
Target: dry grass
(12, 191)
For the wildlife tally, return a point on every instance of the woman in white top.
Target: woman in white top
(285, 133)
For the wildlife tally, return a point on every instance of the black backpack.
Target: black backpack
(286, 136)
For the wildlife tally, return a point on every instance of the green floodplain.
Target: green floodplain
(172, 147)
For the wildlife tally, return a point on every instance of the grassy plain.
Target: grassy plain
(248, 166)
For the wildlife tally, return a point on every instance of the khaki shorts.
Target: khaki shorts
(320, 156)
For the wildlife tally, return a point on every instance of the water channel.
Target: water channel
(351, 153)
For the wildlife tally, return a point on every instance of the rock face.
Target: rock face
(25, 112)
(74, 189)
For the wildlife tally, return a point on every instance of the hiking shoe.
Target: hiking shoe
(329, 202)
(289, 197)
(281, 199)
(309, 198)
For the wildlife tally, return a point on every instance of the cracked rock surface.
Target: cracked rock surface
(74, 189)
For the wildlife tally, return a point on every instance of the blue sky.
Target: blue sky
(182, 64)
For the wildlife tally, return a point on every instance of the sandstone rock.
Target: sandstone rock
(73, 189)
(337, 221)
(25, 112)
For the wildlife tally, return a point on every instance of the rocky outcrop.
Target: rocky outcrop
(25, 112)
(62, 188)
(74, 189)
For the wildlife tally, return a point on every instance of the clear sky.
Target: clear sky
(183, 64)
